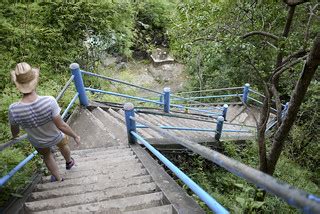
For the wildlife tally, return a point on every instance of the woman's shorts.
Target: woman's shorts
(63, 142)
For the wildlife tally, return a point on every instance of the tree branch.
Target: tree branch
(270, 35)
(261, 129)
(312, 9)
(298, 54)
(294, 2)
(297, 96)
(285, 34)
(275, 93)
(278, 72)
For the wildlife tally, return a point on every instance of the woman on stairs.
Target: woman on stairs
(40, 117)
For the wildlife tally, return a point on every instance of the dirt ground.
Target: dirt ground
(144, 73)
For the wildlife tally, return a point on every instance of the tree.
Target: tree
(258, 42)
(268, 163)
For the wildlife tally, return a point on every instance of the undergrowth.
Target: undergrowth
(235, 193)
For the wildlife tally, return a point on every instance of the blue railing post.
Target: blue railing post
(166, 97)
(284, 110)
(79, 84)
(131, 124)
(224, 112)
(245, 92)
(219, 128)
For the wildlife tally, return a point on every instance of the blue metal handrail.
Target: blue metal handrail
(135, 86)
(150, 101)
(119, 81)
(124, 96)
(8, 176)
(65, 87)
(262, 95)
(196, 109)
(211, 90)
(180, 128)
(194, 129)
(211, 96)
(307, 202)
(178, 98)
(64, 114)
(203, 195)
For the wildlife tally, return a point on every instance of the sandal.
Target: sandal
(70, 164)
(54, 179)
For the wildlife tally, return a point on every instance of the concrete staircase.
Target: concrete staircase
(239, 118)
(109, 176)
(112, 177)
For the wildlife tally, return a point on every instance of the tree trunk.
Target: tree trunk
(297, 96)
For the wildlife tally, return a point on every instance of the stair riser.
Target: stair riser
(90, 197)
(90, 181)
(116, 205)
(106, 149)
(167, 209)
(109, 164)
(97, 164)
(100, 186)
(106, 175)
(96, 156)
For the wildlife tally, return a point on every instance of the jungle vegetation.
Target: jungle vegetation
(273, 45)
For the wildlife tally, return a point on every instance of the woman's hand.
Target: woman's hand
(77, 140)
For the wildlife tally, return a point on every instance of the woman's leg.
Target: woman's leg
(65, 149)
(50, 162)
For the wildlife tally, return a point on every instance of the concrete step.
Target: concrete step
(112, 125)
(115, 205)
(115, 180)
(177, 122)
(146, 117)
(117, 115)
(91, 130)
(166, 122)
(91, 187)
(166, 209)
(106, 167)
(143, 132)
(97, 156)
(110, 149)
(97, 163)
(90, 197)
(117, 172)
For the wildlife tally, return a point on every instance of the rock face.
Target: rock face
(161, 57)
(169, 74)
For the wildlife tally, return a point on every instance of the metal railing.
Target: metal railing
(8, 176)
(306, 202)
(164, 99)
(133, 136)
(302, 200)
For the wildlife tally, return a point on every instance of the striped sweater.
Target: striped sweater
(36, 119)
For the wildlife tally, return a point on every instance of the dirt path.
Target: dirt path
(143, 73)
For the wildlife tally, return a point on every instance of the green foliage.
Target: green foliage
(51, 35)
(8, 160)
(305, 136)
(235, 193)
(151, 23)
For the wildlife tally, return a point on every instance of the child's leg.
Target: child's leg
(50, 162)
(65, 149)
